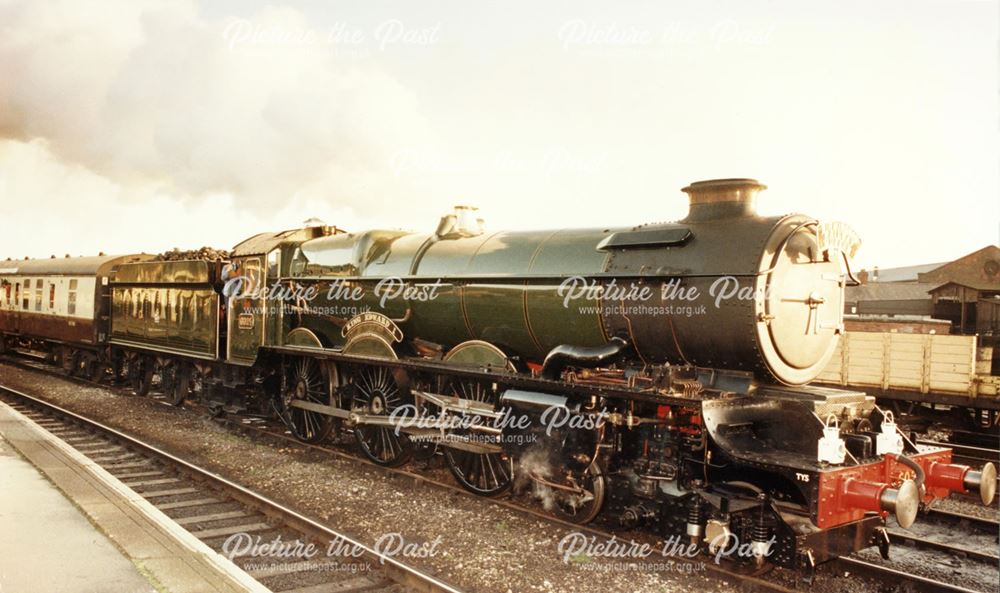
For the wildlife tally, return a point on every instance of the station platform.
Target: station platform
(48, 544)
(68, 526)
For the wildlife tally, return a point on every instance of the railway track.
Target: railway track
(979, 524)
(213, 509)
(982, 439)
(905, 538)
(851, 565)
(903, 581)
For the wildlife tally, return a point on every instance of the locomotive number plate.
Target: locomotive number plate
(245, 321)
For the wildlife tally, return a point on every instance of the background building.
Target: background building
(964, 293)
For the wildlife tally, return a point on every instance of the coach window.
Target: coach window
(71, 301)
(38, 294)
(7, 296)
(27, 294)
(52, 295)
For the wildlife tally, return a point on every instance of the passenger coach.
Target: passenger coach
(60, 306)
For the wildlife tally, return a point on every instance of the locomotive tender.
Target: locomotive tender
(658, 373)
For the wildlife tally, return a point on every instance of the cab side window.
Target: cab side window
(274, 263)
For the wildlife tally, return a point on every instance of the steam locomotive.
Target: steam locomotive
(658, 374)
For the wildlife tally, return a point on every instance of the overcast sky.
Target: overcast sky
(145, 125)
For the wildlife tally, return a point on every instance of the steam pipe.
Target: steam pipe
(918, 471)
(587, 357)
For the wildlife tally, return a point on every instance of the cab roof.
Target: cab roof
(265, 242)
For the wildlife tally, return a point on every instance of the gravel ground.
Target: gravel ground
(967, 506)
(483, 547)
(959, 569)
(977, 576)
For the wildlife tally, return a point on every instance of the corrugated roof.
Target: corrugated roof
(902, 274)
(889, 291)
(974, 284)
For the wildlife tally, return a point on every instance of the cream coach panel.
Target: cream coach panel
(5, 300)
(85, 297)
(8, 279)
(73, 296)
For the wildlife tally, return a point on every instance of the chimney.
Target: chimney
(722, 198)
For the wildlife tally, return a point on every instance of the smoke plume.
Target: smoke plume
(150, 94)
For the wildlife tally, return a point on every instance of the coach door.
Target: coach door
(246, 309)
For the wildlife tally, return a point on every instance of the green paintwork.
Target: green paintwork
(181, 320)
(496, 315)
(167, 306)
(302, 338)
(442, 316)
(550, 320)
(503, 288)
(478, 354)
(247, 315)
(372, 345)
(517, 308)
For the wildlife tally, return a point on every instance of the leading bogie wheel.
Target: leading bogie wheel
(583, 504)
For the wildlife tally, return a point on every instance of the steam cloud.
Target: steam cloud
(149, 93)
